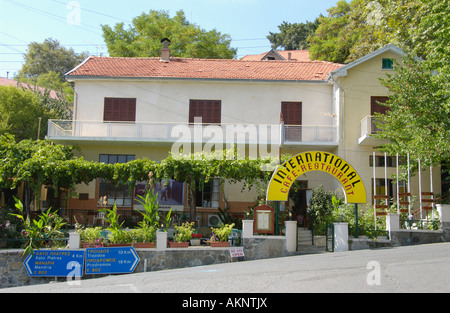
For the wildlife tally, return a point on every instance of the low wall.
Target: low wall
(13, 273)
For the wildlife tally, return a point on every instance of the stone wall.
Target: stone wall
(13, 273)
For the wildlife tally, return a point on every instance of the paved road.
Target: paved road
(424, 268)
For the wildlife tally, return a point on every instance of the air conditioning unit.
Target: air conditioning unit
(214, 220)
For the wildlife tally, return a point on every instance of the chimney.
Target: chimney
(289, 56)
(165, 51)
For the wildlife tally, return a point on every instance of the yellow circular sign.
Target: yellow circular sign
(283, 178)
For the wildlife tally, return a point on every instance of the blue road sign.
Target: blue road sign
(106, 260)
(55, 263)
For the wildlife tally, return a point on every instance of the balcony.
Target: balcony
(76, 132)
(314, 136)
(368, 128)
(64, 131)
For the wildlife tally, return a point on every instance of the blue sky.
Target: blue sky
(76, 24)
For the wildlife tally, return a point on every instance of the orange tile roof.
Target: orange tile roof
(296, 55)
(202, 69)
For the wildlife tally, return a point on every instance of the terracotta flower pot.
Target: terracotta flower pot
(179, 244)
(144, 244)
(220, 244)
(120, 245)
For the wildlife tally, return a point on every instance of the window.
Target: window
(387, 64)
(292, 113)
(209, 110)
(376, 106)
(120, 194)
(119, 110)
(391, 161)
(210, 195)
(381, 187)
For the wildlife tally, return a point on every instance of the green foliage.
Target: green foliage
(20, 110)
(184, 232)
(329, 42)
(142, 38)
(41, 231)
(91, 235)
(222, 232)
(418, 120)
(144, 234)
(118, 235)
(293, 36)
(150, 215)
(321, 205)
(49, 56)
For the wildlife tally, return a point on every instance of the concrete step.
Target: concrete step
(304, 237)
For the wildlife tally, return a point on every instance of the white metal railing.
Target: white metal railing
(368, 126)
(311, 134)
(166, 132)
(170, 132)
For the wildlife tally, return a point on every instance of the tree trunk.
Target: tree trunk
(192, 203)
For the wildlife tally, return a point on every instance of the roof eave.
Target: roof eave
(73, 78)
(342, 72)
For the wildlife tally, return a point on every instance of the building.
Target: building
(10, 82)
(127, 108)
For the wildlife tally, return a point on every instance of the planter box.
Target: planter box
(179, 244)
(120, 245)
(196, 242)
(144, 244)
(220, 244)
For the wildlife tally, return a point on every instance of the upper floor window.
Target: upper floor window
(209, 110)
(119, 110)
(387, 64)
(291, 112)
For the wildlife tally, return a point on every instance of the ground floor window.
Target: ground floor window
(120, 194)
(210, 195)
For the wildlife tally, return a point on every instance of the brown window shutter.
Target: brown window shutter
(376, 107)
(120, 110)
(209, 110)
(292, 113)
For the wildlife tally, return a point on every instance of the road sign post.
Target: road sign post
(55, 263)
(106, 260)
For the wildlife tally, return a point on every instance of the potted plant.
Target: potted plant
(196, 239)
(42, 232)
(118, 237)
(91, 237)
(144, 237)
(182, 236)
(219, 236)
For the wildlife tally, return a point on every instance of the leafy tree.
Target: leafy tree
(20, 110)
(143, 38)
(42, 58)
(293, 36)
(418, 121)
(356, 28)
(29, 162)
(51, 81)
(329, 42)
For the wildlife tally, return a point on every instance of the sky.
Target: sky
(76, 24)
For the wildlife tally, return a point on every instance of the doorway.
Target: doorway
(299, 196)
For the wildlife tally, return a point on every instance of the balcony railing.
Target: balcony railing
(368, 128)
(163, 132)
(171, 132)
(314, 135)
